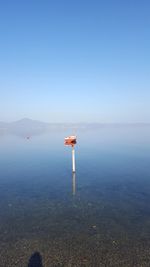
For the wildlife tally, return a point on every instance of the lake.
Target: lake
(99, 216)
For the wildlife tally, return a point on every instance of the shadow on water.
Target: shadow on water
(35, 260)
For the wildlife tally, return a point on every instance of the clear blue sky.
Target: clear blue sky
(75, 60)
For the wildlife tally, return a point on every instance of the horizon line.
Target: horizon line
(80, 122)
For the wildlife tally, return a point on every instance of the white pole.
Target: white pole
(73, 159)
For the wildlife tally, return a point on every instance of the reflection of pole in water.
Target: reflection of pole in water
(73, 183)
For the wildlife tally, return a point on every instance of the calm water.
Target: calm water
(98, 217)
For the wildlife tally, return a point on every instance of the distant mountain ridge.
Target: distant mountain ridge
(29, 124)
(25, 122)
(25, 127)
(3, 124)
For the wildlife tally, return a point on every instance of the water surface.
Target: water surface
(98, 217)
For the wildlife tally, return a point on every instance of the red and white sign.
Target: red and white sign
(70, 140)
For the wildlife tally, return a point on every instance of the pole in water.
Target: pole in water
(73, 159)
(71, 141)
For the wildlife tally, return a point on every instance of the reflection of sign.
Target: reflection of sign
(70, 140)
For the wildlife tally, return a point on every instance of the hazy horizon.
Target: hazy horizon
(64, 122)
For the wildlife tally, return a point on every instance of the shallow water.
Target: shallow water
(98, 217)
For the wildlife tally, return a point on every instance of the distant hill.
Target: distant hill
(3, 125)
(23, 127)
(28, 123)
(27, 126)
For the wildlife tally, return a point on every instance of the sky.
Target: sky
(75, 61)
